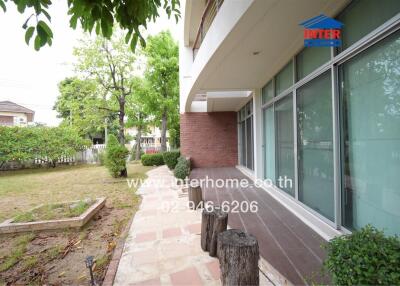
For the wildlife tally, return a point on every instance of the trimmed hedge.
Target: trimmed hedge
(182, 168)
(366, 257)
(171, 158)
(152, 159)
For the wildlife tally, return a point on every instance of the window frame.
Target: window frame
(373, 37)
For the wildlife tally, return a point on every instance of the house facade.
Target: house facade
(324, 119)
(12, 114)
(150, 140)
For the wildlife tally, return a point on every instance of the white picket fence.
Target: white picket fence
(87, 156)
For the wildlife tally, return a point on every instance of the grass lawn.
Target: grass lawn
(55, 211)
(57, 257)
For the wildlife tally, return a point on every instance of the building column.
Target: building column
(258, 136)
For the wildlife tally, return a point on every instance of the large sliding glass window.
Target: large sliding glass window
(269, 143)
(267, 92)
(246, 155)
(347, 136)
(284, 79)
(363, 16)
(315, 145)
(310, 59)
(284, 144)
(371, 131)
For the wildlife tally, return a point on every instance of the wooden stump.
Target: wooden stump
(207, 224)
(195, 196)
(220, 225)
(238, 258)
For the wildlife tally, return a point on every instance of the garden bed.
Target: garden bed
(54, 216)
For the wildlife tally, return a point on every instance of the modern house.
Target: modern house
(12, 114)
(327, 119)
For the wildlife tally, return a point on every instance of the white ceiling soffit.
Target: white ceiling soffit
(265, 38)
(228, 94)
(225, 104)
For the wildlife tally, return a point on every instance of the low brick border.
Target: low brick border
(76, 222)
(116, 256)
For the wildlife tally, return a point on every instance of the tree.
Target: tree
(47, 144)
(100, 15)
(116, 157)
(138, 110)
(112, 65)
(81, 104)
(162, 73)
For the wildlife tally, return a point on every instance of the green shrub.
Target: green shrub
(102, 158)
(116, 155)
(366, 257)
(182, 168)
(155, 159)
(171, 158)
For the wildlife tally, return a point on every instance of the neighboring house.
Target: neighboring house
(149, 140)
(326, 118)
(12, 114)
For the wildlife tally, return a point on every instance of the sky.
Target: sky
(30, 78)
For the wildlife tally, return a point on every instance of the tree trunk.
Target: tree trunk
(238, 257)
(195, 197)
(213, 222)
(220, 225)
(138, 148)
(121, 133)
(207, 224)
(164, 130)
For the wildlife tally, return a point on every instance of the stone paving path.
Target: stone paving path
(163, 244)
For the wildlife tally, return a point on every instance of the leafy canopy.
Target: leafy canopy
(162, 73)
(98, 15)
(81, 105)
(46, 143)
(113, 66)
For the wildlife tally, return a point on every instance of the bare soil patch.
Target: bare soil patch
(58, 257)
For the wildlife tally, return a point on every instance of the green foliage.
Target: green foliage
(366, 257)
(48, 144)
(81, 105)
(138, 108)
(171, 158)
(99, 15)
(111, 64)
(162, 73)
(182, 168)
(102, 158)
(152, 159)
(116, 155)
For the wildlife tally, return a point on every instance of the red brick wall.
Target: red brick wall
(210, 139)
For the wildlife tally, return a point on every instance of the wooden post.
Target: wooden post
(213, 222)
(195, 196)
(238, 258)
(220, 225)
(207, 224)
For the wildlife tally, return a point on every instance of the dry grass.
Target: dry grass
(47, 257)
(25, 189)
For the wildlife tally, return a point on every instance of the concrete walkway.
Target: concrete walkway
(163, 244)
